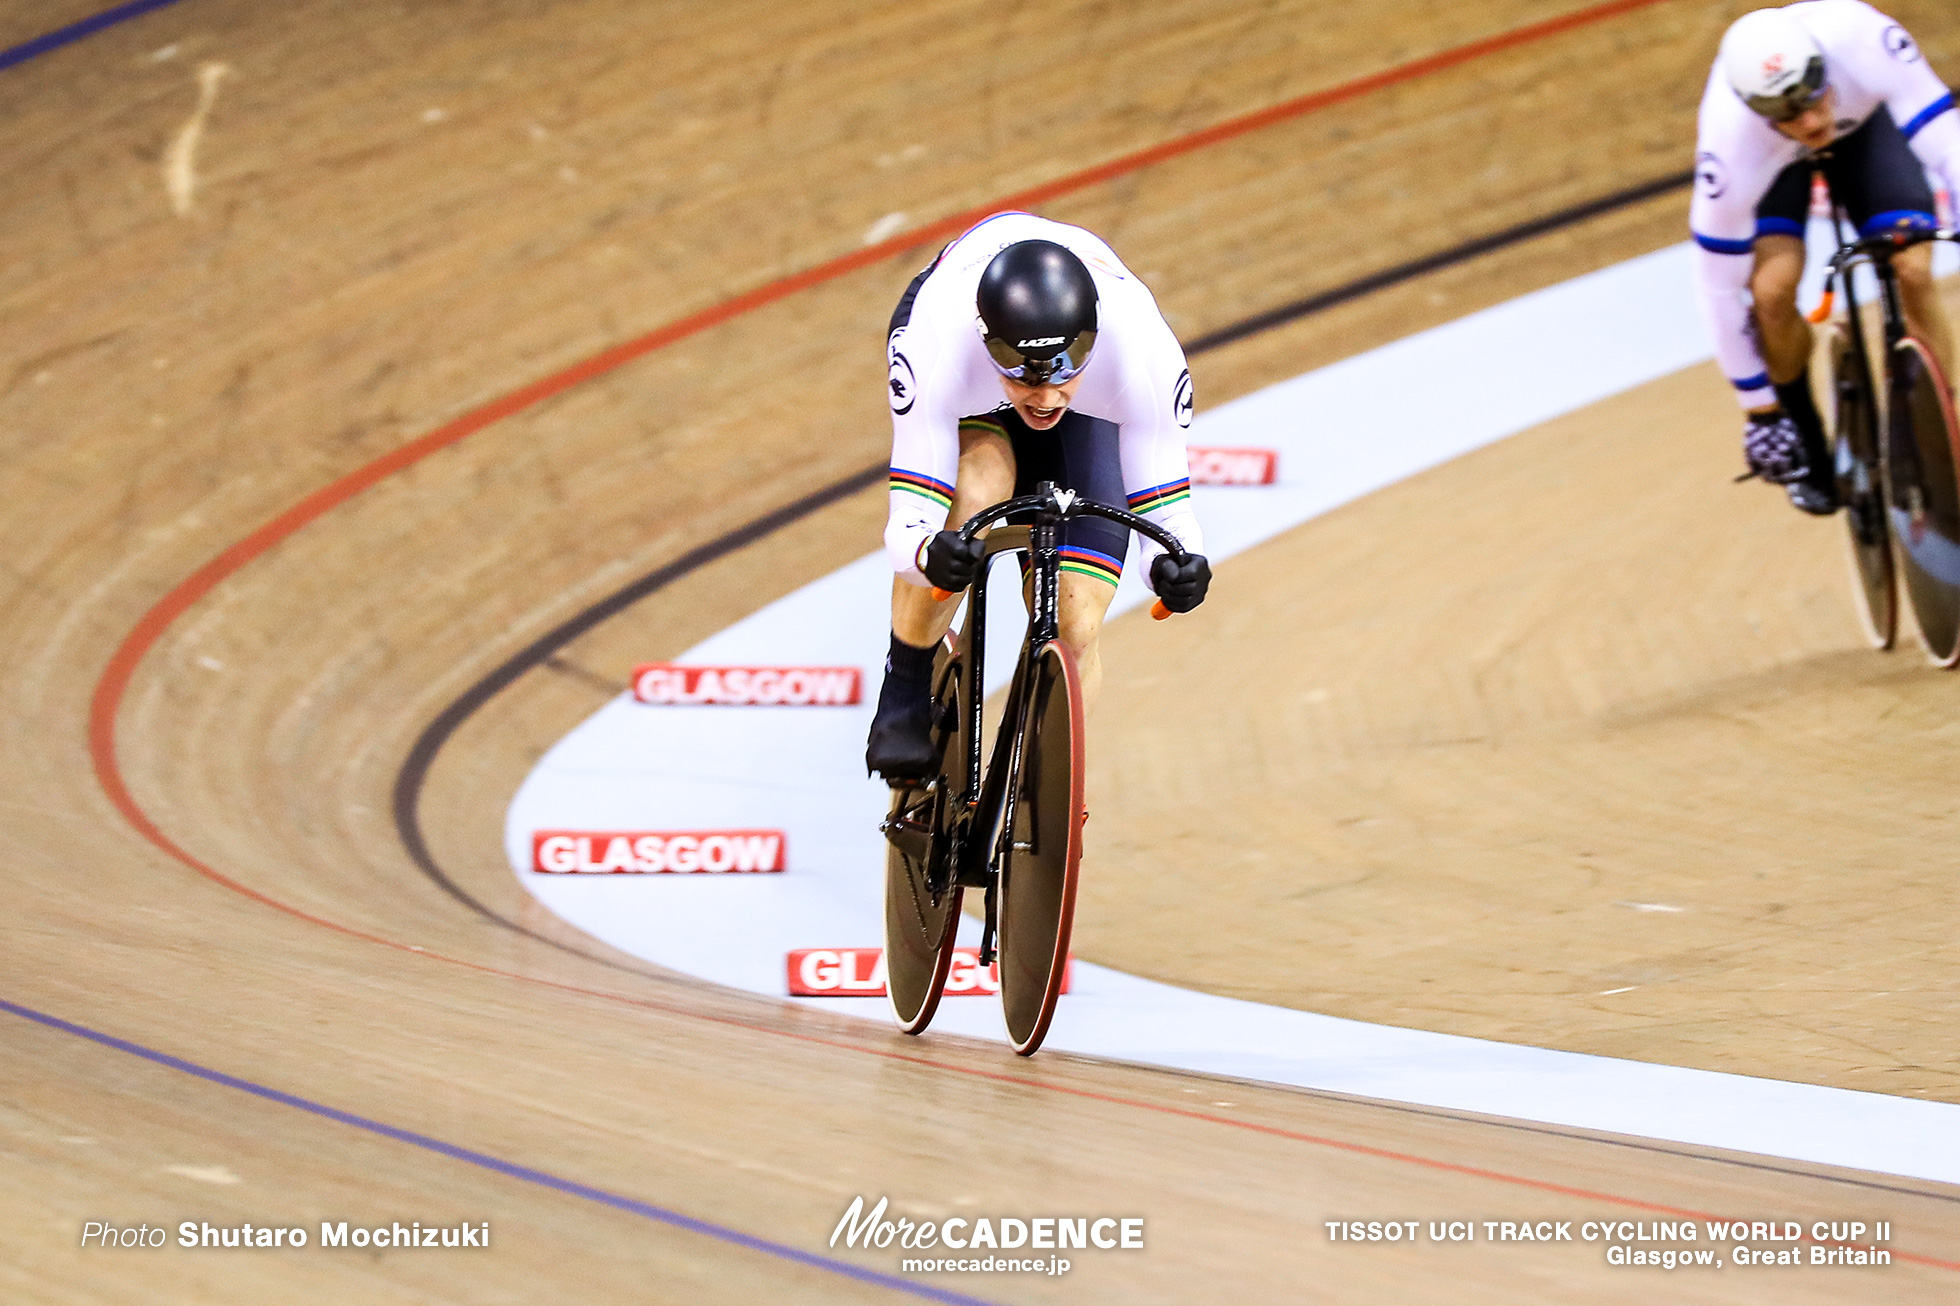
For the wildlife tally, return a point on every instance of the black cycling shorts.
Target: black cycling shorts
(1078, 453)
(1874, 177)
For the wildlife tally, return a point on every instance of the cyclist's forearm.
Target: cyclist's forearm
(918, 510)
(1722, 279)
(1181, 522)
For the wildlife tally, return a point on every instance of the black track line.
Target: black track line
(415, 768)
(421, 757)
(1456, 254)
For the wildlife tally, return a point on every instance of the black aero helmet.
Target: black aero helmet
(1037, 306)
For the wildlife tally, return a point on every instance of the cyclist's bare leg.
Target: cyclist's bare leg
(1926, 317)
(1782, 330)
(1084, 603)
(986, 477)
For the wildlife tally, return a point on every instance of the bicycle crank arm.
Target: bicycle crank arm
(912, 838)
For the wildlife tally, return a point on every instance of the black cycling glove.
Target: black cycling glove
(1181, 588)
(951, 562)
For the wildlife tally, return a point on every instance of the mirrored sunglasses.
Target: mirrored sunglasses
(1054, 369)
(1793, 102)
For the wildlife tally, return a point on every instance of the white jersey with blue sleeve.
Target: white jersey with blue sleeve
(1870, 61)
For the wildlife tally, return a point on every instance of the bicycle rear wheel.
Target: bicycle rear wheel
(1038, 877)
(922, 899)
(1924, 496)
(1855, 454)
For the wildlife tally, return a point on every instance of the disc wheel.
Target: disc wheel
(921, 924)
(1859, 481)
(1924, 497)
(1038, 877)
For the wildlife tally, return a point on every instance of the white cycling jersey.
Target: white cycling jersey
(940, 372)
(1869, 61)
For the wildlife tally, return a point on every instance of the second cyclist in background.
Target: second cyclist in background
(1832, 86)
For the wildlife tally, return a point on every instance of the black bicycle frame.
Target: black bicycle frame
(1876, 253)
(1887, 278)
(1050, 507)
(974, 859)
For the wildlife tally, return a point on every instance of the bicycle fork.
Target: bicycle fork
(1011, 749)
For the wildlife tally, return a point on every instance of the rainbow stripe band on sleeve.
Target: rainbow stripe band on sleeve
(983, 424)
(1088, 562)
(1161, 496)
(923, 486)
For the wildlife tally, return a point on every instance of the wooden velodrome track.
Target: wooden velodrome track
(1414, 763)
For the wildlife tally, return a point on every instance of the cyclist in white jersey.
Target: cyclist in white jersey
(1026, 352)
(1831, 86)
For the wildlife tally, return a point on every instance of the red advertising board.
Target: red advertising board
(860, 973)
(665, 684)
(657, 852)
(1234, 466)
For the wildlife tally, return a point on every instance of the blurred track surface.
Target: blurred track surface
(393, 216)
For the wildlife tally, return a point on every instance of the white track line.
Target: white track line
(179, 160)
(1342, 432)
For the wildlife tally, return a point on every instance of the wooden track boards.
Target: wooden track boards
(1612, 695)
(397, 213)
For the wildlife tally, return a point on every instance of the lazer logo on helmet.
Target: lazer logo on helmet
(642, 852)
(663, 684)
(1037, 312)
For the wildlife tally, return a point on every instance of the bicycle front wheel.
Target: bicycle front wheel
(1855, 453)
(922, 899)
(1038, 875)
(1924, 496)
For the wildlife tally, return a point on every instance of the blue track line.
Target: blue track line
(628, 1204)
(76, 31)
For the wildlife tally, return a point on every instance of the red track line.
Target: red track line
(136, 645)
(122, 665)
(688, 1013)
(109, 690)
(1318, 1140)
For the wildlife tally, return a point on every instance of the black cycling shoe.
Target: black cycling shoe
(1818, 498)
(900, 748)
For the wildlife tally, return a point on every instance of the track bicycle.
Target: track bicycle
(1012, 829)
(1897, 467)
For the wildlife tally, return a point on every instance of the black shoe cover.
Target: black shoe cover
(1816, 497)
(900, 747)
